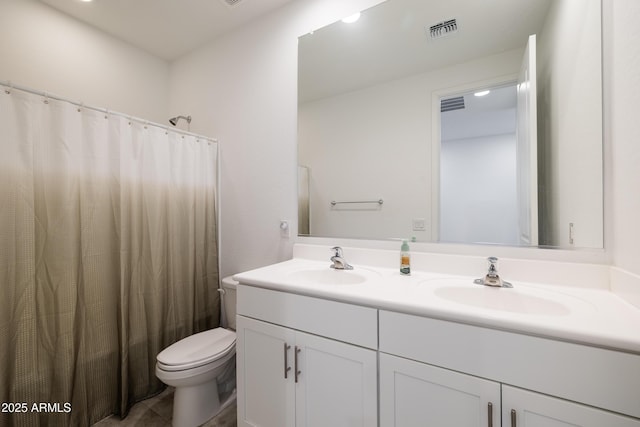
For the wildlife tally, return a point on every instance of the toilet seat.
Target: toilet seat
(197, 350)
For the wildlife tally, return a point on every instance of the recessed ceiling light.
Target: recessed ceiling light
(482, 93)
(352, 18)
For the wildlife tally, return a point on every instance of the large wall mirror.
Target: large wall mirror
(454, 121)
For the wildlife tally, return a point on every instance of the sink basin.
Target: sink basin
(520, 299)
(502, 299)
(330, 276)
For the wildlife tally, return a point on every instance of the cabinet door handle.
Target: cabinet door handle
(513, 418)
(287, 368)
(490, 414)
(295, 362)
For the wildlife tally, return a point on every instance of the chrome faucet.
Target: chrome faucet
(339, 263)
(492, 278)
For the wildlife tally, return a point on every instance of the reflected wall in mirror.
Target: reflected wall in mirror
(369, 119)
(478, 167)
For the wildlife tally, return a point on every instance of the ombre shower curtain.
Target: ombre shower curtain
(108, 254)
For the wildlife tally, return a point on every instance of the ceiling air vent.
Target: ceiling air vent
(452, 104)
(231, 2)
(443, 29)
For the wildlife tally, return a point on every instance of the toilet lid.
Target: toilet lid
(197, 350)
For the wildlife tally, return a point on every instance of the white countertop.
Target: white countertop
(587, 315)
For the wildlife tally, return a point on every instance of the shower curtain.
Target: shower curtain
(108, 254)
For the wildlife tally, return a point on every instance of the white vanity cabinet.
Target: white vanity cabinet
(416, 394)
(446, 373)
(305, 361)
(419, 394)
(522, 408)
(266, 394)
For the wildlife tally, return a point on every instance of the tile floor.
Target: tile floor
(156, 412)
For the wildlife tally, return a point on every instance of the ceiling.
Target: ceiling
(391, 41)
(166, 28)
(491, 114)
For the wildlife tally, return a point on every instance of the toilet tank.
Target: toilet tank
(229, 301)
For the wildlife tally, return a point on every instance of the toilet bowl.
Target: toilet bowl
(195, 365)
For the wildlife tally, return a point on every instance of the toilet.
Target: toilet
(202, 366)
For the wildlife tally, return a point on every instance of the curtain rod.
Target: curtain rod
(10, 86)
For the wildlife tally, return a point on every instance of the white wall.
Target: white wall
(384, 131)
(242, 90)
(46, 50)
(623, 137)
(570, 142)
(359, 146)
(478, 197)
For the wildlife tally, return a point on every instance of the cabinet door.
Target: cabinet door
(521, 408)
(265, 397)
(337, 384)
(417, 394)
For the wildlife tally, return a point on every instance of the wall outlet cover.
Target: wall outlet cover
(419, 224)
